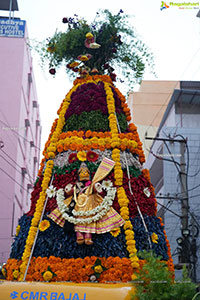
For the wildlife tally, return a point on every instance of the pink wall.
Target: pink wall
(17, 103)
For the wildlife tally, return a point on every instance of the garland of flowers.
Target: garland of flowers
(104, 78)
(112, 269)
(118, 175)
(50, 152)
(139, 149)
(124, 105)
(65, 160)
(170, 260)
(98, 212)
(36, 218)
(78, 143)
(90, 133)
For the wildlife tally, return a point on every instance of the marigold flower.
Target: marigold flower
(17, 230)
(15, 274)
(44, 225)
(89, 35)
(115, 232)
(98, 269)
(154, 238)
(47, 276)
(82, 155)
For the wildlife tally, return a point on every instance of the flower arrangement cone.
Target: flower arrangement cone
(93, 206)
(93, 125)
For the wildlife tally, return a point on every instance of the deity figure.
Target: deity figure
(87, 206)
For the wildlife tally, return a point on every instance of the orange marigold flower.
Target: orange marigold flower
(60, 148)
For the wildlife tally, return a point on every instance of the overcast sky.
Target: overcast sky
(172, 34)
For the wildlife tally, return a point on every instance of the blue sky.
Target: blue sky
(172, 34)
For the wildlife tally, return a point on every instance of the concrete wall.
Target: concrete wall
(148, 106)
(21, 138)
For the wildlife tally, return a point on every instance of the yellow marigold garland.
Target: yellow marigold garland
(78, 143)
(118, 174)
(50, 152)
(36, 218)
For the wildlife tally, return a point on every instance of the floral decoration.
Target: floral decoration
(17, 230)
(116, 232)
(107, 43)
(81, 155)
(51, 191)
(92, 215)
(63, 154)
(47, 276)
(52, 269)
(98, 268)
(44, 225)
(92, 156)
(154, 238)
(72, 158)
(36, 218)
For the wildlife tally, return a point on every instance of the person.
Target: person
(87, 205)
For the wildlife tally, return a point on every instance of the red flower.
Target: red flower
(52, 71)
(65, 20)
(92, 156)
(72, 158)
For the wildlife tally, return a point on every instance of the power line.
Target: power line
(13, 179)
(13, 166)
(169, 209)
(15, 132)
(30, 177)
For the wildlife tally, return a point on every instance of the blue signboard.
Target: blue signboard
(12, 28)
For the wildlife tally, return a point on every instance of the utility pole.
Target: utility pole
(188, 248)
(185, 257)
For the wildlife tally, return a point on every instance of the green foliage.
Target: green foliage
(154, 281)
(121, 48)
(134, 171)
(93, 120)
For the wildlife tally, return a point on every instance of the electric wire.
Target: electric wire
(30, 177)
(13, 166)
(13, 179)
(15, 132)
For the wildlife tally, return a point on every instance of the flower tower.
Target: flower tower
(93, 205)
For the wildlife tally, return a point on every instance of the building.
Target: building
(148, 106)
(174, 164)
(20, 129)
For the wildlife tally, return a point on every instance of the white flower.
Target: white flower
(68, 187)
(107, 184)
(147, 192)
(98, 187)
(93, 278)
(51, 191)
(94, 45)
